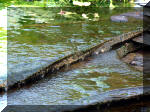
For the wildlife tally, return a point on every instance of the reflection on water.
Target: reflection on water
(104, 72)
(36, 34)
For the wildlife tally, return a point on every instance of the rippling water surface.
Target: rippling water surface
(40, 35)
(104, 72)
(37, 34)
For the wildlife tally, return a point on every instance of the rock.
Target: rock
(137, 15)
(126, 48)
(138, 39)
(108, 45)
(135, 60)
(136, 63)
(119, 19)
(124, 17)
(127, 53)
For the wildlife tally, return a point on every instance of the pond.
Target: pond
(37, 37)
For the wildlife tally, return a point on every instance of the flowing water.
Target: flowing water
(102, 73)
(39, 36)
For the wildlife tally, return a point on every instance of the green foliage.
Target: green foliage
(55, 3)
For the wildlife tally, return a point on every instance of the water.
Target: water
(102, 73)
(40, 36)
(43, 35)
